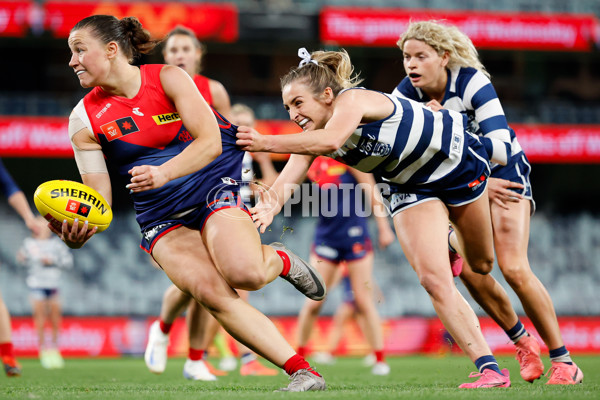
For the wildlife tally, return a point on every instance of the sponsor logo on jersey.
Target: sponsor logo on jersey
(105, 109)
(80, 194)
(229, 181)
(136, 111)
(456, 142)
(398, 199)
(477, 182)
(358, 248)
(326, 251)
(355, 231)
(149, 234)
(119, 128)
(166, 118)
(78, 208)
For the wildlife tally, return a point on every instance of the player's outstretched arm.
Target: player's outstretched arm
(18, 201)
(271, 201)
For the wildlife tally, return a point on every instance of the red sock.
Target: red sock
(379, 356)
(195, 354)
(301, 351)
(286, 262)
(164, 327)
(6, 349)
(296, 363)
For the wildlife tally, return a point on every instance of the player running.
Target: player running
(153, 126)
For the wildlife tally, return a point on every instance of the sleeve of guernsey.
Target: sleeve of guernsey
(7, 184)
(481, 96)
(88, 161)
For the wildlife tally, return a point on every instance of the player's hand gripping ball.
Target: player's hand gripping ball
(60, 199)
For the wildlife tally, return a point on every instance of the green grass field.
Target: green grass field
(413, 377)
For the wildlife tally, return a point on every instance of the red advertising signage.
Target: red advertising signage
(560, 143)
(34, 137)
(492, 30)
(117, 336)
(217, 22)
(15, 17)
(47, 137)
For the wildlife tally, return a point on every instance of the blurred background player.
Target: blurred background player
(443, 70)
(45, 256)
(183, 49)
(343, 237)
(16, 199)
(344, 312)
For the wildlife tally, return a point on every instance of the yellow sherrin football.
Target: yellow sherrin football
(61, 199)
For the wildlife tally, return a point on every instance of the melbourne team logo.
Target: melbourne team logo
(119, 128)
(78, 208)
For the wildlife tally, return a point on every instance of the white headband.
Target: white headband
(305, 56)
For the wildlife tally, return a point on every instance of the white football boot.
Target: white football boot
(156, 349)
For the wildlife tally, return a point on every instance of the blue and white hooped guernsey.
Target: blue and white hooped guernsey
(414, 147)
(471, 93)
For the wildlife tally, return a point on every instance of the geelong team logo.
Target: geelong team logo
(119, 128)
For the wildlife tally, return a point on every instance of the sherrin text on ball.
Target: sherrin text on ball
(58, 200)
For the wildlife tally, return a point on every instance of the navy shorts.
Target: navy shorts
(342, 251)
(463, 186)
(194, 218)
(517, 170)
(397, 202)
(43, 293)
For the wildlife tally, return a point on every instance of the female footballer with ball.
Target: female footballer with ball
(183, 49)
(153, 125)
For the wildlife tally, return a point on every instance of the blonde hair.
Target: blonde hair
(445, 38)
(332, 69)
(240, 108)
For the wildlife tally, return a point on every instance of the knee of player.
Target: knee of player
(206, 296)
(482, 265)
(248, 277)
(362, 304)
(434, 284)
(514, 274)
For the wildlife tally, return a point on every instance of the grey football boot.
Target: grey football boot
(303, 381)
(302, 275)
